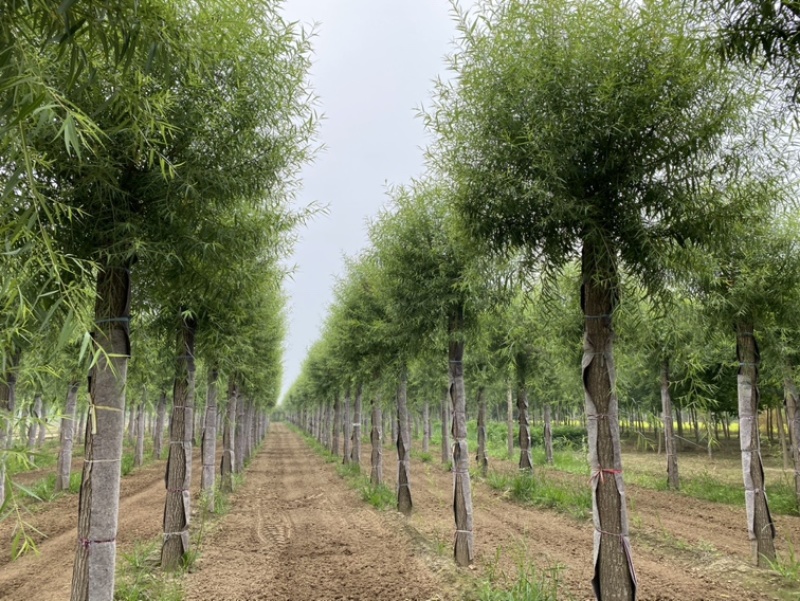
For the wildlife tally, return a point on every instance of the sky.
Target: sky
(374, 64)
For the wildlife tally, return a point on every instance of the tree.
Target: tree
(583, 131)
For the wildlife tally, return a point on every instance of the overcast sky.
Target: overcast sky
(374, 63)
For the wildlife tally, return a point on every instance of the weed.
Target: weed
(75, 479)
(531, 584)
(127, 464)
(541, 491)
(380, 496)
(138, 580)
(788, 565)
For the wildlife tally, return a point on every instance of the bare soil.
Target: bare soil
(296, 531)
(47, 576)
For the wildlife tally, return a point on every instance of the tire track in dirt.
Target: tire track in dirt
(48, 576)
(297, 532)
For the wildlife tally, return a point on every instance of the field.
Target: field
(300, 527)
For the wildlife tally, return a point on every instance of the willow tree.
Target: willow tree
(433, 282)
(751, 288)
(582, 131)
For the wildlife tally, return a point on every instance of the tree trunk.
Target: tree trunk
(179, 461)
(614, 576)
(673, 481)
(760, 528)
(462, 490)
(42, 425)
(346, 427)
(525, 459)
(8, 401)
(337, 426)
(98, 503)
(376, 440)
(228, 437)
(36, 416)
(66, 438)
(209, 444)
(82, 426)
(404, 504)
(782, 438)
(238, 438)
(426, 427)
(510, 419)
(445, 416)
(355, 455)
(548, 434)
(158, 433)
(138, 456)
(482, 458)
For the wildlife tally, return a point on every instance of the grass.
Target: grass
(529, 584)
(541, 490)
(139, 579)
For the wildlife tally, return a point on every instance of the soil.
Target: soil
(47, 576)
(296, 530)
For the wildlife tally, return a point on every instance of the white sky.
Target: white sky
(374, 64)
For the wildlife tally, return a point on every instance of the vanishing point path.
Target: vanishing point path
(297, 532)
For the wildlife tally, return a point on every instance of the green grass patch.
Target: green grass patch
(140, 579)
(541, 490)
(530, 584)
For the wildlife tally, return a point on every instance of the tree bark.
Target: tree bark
(614, 575)
(36, 416)
(482, 457)
(98, 504)
(66, 438)
(346, 427)
(525, 458)
(760, 528)
(8, 401)
(462, 489)
(42, 425)
(426, 427)
(239, 433)
(376, 440)
(548, 434)
(337, 426)
(355, 456)
(404, 503)
(138, 456)
(178, 480)
(228, 437)
(209, 443)
(782, 438)
(445, 415)
(673, 481)
(510, 419)
(158, 434)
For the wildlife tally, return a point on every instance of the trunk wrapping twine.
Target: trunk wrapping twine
(178, 477)
(98, 505)
(375, 438)
(669, 435)
(209, 442)
(462, 489)
(404, 504)
(760, 528)
(614, 575)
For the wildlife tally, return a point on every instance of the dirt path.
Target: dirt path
(297, 532)
(48, 576)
